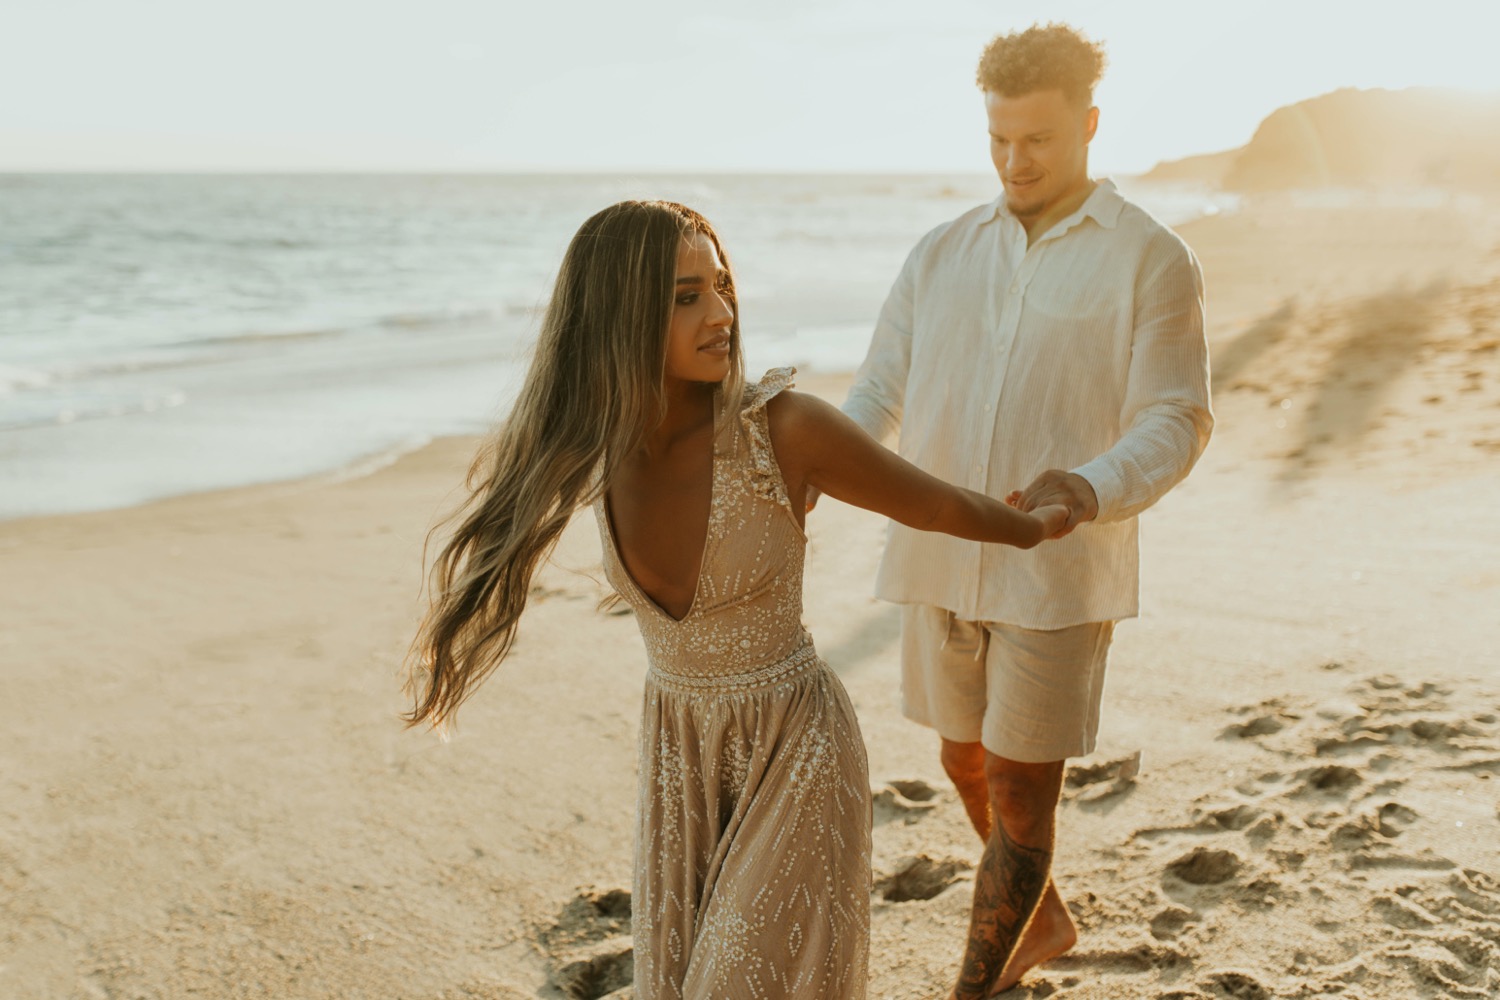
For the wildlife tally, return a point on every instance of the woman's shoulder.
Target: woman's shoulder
(791, 421)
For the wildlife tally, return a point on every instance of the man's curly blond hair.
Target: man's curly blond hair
(1043, 57)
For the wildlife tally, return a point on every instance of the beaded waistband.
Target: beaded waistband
(780, 672)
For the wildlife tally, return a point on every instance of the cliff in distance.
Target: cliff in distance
(1415, 138)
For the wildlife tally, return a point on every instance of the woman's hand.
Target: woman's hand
(1054, 518)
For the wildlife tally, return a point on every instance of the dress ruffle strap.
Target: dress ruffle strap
(765, 474)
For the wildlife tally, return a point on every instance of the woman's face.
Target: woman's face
(698, 344)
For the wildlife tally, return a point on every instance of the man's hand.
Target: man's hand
(1057, 487)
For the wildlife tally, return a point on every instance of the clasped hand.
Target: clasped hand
(1066, 489)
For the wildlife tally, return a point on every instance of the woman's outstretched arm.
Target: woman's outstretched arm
(820, 448)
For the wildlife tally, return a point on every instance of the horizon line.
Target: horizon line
(516, 171)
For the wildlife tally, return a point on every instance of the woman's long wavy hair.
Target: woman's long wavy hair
(595, 389)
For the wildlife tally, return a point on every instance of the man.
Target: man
(1053, 337)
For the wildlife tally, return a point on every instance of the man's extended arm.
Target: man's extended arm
(1166, 414)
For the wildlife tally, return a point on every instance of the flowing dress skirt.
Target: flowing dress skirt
(752, 875)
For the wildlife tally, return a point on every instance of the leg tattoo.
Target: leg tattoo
(1007, 889)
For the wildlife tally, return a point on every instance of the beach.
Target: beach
(207, 791)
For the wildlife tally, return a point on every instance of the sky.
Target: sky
(648, 85)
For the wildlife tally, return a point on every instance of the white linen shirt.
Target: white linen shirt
(997, 362)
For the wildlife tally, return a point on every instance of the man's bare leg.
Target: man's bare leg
(964, 763)
(1027, 795)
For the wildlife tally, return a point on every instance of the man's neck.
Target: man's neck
(1059, 210)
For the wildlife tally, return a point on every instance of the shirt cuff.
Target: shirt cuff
(1107, 485)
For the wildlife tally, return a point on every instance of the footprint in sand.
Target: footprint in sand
(1205, 866)
(1392, 819)
(588, 947)
(1354, 736)
(1265, 719)
(1257, 823)
(1439, 972)
(1239, 985)
(1330, 779)
(1088, 783)
(1083, 775)
(1261, 725)
(1402, 913)
(1448, 939)
(920, 877)
(1478, 892)
(1171, 922)
(905, 799)
(1471, 949)
(1131, 959)
(1264, 829)
(1362, 733)
(592, 915)
(1236, 817)
(604, 975)
(1373, 828)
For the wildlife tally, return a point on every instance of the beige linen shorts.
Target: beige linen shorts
(1027, 695)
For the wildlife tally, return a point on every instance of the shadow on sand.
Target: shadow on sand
(1383, 337)
(1341, 389)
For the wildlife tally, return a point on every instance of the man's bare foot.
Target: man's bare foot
(1050, 933)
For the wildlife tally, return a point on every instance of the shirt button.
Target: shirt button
(987, 407)
(1014, 289)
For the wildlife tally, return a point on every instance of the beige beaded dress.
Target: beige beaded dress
(752, 866)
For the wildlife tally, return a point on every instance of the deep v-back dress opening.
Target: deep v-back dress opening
(752, 873)
(611, 539)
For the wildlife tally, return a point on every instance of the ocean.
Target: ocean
(165, 334)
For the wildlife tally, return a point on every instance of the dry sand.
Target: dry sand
(204, 791)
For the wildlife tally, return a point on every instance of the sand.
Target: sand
(205, 792)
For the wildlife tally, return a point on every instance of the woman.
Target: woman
(752, 874)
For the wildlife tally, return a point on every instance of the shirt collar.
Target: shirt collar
(1103, 205)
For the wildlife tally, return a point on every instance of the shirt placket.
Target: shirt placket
(1008, 294)
(1008, 298)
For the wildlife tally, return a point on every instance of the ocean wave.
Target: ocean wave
(220, 348)
(226, 240)
(71, 411)
(257, 337)
(373, 462)
(14, 379)
(399, 321)
(130, 364)
(441, 318)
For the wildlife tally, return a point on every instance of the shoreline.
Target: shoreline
(131, 420)
(1216, 238)
(354, 469)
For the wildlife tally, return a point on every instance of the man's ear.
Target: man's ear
(1091, 125)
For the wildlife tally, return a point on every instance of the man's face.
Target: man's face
(1039, 143)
